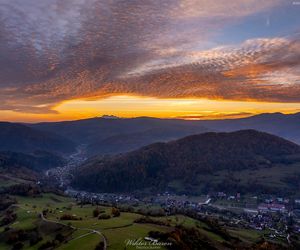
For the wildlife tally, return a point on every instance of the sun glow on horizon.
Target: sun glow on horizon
(127, 106)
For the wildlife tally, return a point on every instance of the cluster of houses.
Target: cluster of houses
(110, 198)
(179, 204)
(271, 207)
(259, 219)
(222, 195)
(168, 200)
(278, 204)
(262, 221)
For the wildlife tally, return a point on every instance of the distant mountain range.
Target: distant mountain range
(286, 126)
(195, 163)
(112, 136)
(122, 143)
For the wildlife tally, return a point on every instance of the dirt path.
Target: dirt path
(91, 231)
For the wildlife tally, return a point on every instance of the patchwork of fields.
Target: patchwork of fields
(86, 230)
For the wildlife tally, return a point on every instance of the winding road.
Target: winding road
(91, 231)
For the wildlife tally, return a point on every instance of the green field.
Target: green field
(116, 230)
(8, 180)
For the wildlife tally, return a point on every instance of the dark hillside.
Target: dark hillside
(158, 164)
(20, 138)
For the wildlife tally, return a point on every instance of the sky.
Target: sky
(188, 59)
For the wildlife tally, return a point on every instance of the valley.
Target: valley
(149, 125)
(43, 215)
(214, 190)
(63, 175)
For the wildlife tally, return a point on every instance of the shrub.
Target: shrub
(146, 219)
(47, 245)
(115, 212)
(68, 217)
(96, 212)
(18, 246)
(104, 216)
(100, 246)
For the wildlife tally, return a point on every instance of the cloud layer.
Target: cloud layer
(54, 50)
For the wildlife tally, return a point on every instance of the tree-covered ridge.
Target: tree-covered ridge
(158, 164)
(21, 138)
(37, 161)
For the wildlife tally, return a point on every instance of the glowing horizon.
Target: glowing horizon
(125, 106)
(203, 59)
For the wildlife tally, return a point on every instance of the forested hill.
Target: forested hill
(37, 161)
(21, 138)
(185, 159)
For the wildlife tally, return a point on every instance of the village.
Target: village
(278, 216)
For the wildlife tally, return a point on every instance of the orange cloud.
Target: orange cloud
(57, 51)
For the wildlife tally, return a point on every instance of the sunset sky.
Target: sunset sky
(189, 59)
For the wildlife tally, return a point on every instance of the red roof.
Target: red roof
(271, 206)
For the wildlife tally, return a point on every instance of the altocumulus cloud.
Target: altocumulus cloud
(54, 50)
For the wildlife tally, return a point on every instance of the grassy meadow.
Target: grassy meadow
(79, 230)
